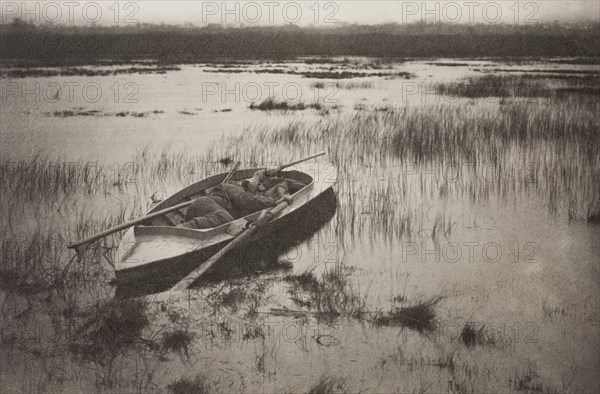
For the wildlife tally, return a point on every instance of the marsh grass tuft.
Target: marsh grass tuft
(306, 281)
(328, 385)
(594, 218)
(473, 336)
(331, 295)
(199, 385)
(419, 316)
(231, 299)
(526, 381)
(252, 332)
(111, 328)
(271, 104)
(177, 341)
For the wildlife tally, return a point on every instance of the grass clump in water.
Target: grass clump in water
(419, 316)
(473, 336)
(328, 385)
(231, 300)
(112, 328)
(177, 341)
(271, 104)
(198, 385)
(331, 294)
(526, 381)
(306, 281)
(348, 85)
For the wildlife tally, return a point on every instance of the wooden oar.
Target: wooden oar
(228, 177)
(239, 240)
(284, 166)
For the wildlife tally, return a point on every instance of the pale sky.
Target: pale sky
(298, 12)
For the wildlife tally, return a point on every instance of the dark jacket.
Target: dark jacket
(238, 202)
(230, 198)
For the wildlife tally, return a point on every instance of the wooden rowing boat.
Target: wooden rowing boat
(159, 249)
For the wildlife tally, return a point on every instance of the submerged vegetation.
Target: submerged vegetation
(472, 335)
(270, 104)
(331, 296)
(328, 385)
(178, 341)
(420, 316)
(97, 113)
(495, 86)
(316, 74)
(110, 328)
(349, 85)
(199, 385)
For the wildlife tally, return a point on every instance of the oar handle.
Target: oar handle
(284, 166)
(228, 177)
(127, 225)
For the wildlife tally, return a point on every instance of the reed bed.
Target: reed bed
(495, 86)
(394, 165)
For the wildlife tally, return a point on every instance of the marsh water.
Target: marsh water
(504, 237)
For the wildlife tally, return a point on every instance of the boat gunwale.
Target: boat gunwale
(224, 229)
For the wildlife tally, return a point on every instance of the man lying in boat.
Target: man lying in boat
(230, 201)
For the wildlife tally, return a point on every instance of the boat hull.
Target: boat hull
(167, 271)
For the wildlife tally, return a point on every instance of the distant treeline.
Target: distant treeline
(60, 44)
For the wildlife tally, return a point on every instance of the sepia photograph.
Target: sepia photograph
(302, 196)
